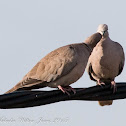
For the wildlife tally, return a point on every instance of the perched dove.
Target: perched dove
(59, 68)
(106, 61)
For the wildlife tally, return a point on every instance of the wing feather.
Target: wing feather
(53, 66)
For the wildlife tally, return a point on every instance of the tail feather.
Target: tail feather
(11, 90)
(19, 87)
(103, 103)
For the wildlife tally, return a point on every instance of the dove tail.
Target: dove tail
(19, 87)
(12, 90)
(103, 103)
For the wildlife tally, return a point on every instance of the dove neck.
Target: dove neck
(106, 35)
(89, 48)
(90, 44)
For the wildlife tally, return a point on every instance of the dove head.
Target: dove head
(93, 40)
(103, 30)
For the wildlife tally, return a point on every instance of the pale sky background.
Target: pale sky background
(30, 29)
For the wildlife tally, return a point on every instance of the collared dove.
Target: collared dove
(106, 61)
(59, 68)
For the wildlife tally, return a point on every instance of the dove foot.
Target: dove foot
(113, 85)
(100, 83)
(66, 89)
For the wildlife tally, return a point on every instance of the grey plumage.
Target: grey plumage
(62, 66)
(106, 61)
